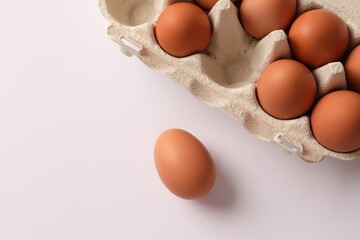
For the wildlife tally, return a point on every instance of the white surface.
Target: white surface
(76, 146)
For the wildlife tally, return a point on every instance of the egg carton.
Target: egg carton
(225, 74)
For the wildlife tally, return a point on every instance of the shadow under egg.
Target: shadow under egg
(223, 195)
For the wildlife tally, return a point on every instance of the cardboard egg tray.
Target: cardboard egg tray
(225, 75)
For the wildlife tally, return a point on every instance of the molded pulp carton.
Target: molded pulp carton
(225, 75)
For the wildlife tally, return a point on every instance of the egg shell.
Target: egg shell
(260, 17)
(184, 164)
(208, 4)
(183, 29)
(335, 121)
(286, 89)
(318, 37)
(352, 69)
(224, 76)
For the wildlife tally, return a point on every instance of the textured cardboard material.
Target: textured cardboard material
(225, 75)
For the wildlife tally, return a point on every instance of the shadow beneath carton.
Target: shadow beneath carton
(348, 168)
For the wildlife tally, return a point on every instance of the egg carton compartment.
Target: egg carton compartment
(225, 74)
(134, 12)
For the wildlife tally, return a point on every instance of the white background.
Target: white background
(78, 122)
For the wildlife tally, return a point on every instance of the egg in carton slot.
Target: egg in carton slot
(225, 74)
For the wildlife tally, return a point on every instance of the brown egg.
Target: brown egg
(352, 70)
(183, 29)
(335, 121)
(286, 89)
(260, 17)
(208, 4)
(184, 164)
(318, 37)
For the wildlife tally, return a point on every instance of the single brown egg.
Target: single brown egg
(335, 121)
(286, 89)
(261, 17)
(184, 164)
(208, 4)
(352, 70)
(318, 37)
(183, 29)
